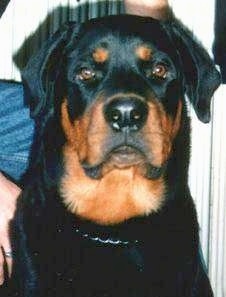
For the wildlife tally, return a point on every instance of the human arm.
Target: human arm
(9, 193)
(158, 9)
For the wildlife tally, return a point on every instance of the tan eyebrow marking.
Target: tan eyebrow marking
(144, 52)
(100, 55)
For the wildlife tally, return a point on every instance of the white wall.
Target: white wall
(208, 162)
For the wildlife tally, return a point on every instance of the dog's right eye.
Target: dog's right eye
(85, 74)
(159, 71)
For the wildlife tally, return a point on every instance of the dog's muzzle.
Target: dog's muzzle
(125, 116)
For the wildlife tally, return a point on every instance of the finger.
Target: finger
(7, 253)
(9, 263)
(7, 249)
(1, 267)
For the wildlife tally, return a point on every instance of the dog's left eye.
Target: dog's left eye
(86, 74)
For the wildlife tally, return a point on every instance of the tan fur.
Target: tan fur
(66, 124)
(177, 120)
(117, 196)
(144, 52)
(160, 131)
(86, 134)
(100, 55)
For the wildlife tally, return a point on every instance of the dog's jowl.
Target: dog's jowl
(108, 212)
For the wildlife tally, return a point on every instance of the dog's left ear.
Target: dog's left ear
(200, 74)
(43, 69)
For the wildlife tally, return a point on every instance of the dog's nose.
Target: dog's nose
(126, 114)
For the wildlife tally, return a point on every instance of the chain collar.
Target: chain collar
(106, 241)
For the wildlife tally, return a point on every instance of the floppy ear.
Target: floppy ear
(41, 73)
(201, 76)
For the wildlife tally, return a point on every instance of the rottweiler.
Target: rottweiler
(108, 211)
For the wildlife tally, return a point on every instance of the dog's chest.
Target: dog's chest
(83, 268)
(88, 270)
(110, 269)
(79, 266)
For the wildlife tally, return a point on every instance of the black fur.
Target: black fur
(57, 254)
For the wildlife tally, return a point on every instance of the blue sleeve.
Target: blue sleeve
(16, 130)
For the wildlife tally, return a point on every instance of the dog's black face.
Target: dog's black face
(124, 94)
(120, 84)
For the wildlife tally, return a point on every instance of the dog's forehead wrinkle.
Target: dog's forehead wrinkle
(112, 39)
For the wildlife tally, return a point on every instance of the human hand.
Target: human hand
(9, 193)
(158, 9)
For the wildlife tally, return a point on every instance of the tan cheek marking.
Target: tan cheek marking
(177, 121)
(144, 52)
(76, 132)
(97, 133)
(100, 55)
(161, 129)
(87, 135)
(118, 196)
(66, 123)
(157, 138)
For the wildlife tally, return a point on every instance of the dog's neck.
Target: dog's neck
(116, 197)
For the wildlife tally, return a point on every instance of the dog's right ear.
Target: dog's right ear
(41, 73)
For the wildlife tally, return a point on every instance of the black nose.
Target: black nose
(126, 113)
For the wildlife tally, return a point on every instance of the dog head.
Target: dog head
(118, 84)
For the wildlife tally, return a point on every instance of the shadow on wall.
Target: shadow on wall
(59, 16)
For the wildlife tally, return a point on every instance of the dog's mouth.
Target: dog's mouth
(123, 157)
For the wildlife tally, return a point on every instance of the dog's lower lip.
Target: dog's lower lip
(125, 156)
(125, 150)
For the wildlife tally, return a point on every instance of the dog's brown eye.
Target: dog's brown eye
(85, 74)
(159, 71)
